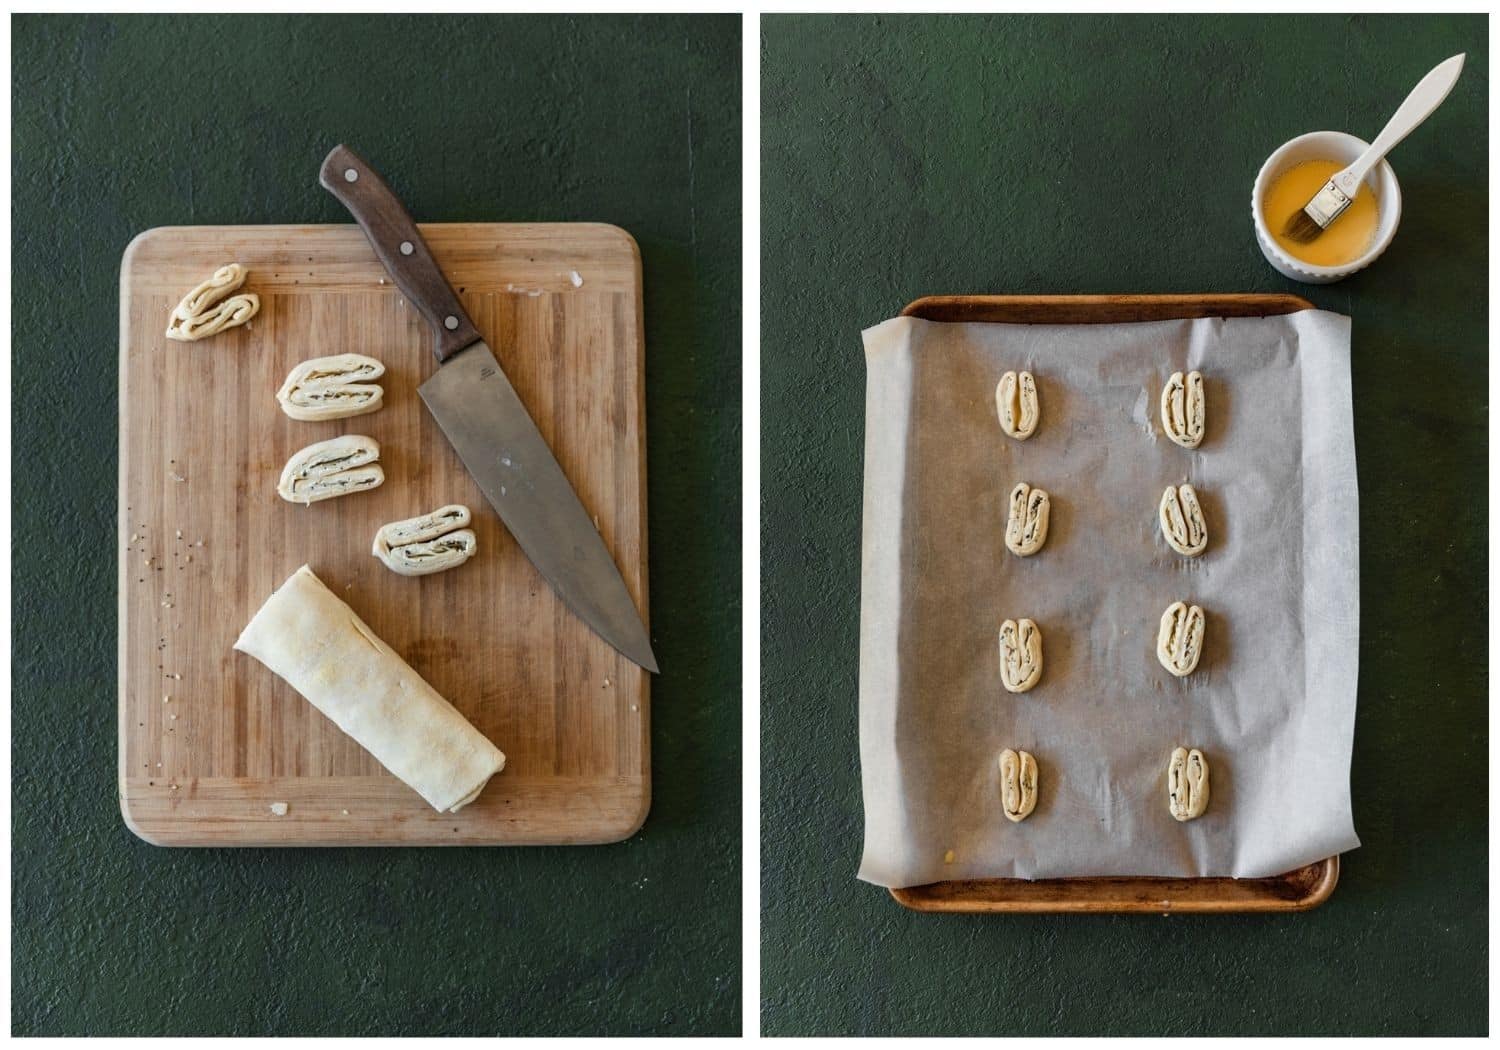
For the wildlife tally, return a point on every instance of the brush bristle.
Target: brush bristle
(1301, 228)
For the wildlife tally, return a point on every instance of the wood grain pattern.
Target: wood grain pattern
(204, 539)
(397, 243)
(1099, 309)
(1296, 890)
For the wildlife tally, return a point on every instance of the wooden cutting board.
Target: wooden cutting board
(210, 738)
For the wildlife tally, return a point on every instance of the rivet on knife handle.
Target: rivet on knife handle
(400, 247)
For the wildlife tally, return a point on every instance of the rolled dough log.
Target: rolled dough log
(310, 638)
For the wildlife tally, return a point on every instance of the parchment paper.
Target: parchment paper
(1271, 704)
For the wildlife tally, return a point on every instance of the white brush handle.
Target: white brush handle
(1424, 98)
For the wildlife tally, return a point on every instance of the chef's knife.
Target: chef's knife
(477, 408)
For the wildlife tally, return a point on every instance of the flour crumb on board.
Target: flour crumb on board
(346, 812)
(177, 477)
(576, 278)
(279, 808)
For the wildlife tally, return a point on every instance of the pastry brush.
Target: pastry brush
(1329, 202)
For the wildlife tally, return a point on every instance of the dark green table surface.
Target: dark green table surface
(124, 123)
(911, 156)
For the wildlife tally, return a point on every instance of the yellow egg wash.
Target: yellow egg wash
(1347, 237)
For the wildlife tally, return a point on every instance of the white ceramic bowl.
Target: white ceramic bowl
(1336, 146)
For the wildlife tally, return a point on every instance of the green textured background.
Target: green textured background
(123, 123)
(912, 156)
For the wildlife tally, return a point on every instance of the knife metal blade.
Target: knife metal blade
(474, 403)
(487, 424)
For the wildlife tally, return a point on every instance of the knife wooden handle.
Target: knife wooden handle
(399, 246)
